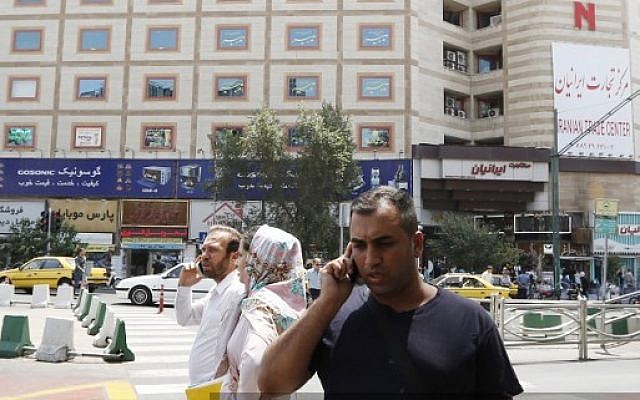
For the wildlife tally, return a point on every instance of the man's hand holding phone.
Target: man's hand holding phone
(338, 277)
(191, 273)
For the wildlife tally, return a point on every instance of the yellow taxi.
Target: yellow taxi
(52, 270)
(470, 286)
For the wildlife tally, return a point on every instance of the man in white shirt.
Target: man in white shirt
(313, 278)
(218, 312)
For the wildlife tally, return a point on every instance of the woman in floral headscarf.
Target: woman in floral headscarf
(276, 299)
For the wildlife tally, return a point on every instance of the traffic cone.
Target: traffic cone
(161, 302)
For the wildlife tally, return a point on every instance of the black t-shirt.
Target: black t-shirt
(452, 342)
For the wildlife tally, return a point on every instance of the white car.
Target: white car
(145, 290)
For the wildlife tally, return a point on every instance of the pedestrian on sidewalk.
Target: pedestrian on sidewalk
(274, 276)
(217, 313)
(393, 336)
(78, 274)
(313, 278)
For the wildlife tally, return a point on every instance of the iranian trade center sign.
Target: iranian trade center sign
(588, 82)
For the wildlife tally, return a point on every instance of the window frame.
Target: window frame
(381, 125)
(42, 3)
(34, 130)
(81, 30)
(216, 127)
(361, 29)
(245, 94)
(363, 76)
(287, 91)
(287, 135)
(12, 79)
(152, 28)
(74, 131)
(220, 28)
(16, 31)
(82, 77)
(145, 126)
(96, 2)
(174, 95)
(291, 27)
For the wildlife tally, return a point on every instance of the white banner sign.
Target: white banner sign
(206, 213)
(629, 230)
(495, 170)
(585, 88)
(11, 212)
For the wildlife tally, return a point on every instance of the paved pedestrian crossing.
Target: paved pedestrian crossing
(161, 346)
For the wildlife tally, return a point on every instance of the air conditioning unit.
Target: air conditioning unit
(493, 112)
(462, 58)
(451, 55)
(462, 68)
(450, 111)
(495, 20)
(449, 65)
(450, 101)
(462, 114)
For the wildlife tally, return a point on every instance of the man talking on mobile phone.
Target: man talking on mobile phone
(217, 312)
(395, 336)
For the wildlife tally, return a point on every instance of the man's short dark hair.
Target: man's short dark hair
(368, 202)
(234, 237)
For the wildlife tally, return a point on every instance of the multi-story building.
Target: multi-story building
(464, 88)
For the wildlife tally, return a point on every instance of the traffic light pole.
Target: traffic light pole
(555, 172)
(49, 232)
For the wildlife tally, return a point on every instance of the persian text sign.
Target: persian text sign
(587, 87)
(88, 215)
(11, 212)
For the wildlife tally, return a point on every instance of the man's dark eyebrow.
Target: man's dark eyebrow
(378, 239)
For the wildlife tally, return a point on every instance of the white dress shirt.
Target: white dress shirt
(217, 313)
(313, 277)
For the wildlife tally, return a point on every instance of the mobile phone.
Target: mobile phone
(199, 268)
(354, 275)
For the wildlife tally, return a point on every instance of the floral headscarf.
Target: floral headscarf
(276, 279)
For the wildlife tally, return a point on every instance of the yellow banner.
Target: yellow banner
(87, 215)
(607, 208)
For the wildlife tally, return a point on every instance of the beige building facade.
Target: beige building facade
(463, 74)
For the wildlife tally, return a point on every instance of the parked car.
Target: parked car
(145, 289)
(470, 286)
(51, 270)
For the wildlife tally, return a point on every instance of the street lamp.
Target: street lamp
(63, 151)
(555, 191)
(129, 149)
(107, 150)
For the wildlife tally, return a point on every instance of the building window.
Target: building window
(222, 133)
(489, 60)
(27, 40)
(23, 88)
(293, 138)
(375, 137)
(160, 88)
(303, 87)
(163, 39)
(233, 37)
(454, 105)
(91, 88)
(94, 40)
(231, 87)
(158, 137)
(19, 3)
(88, 137)
(375, 87)
(375, 37)
(19, 136)
(303, 37)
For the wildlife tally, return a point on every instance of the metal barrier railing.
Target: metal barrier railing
(581, 322)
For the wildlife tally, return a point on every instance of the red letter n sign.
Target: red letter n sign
(581, 12)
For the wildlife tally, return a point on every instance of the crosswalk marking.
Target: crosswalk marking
(160, 370)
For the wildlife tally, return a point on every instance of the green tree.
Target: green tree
(472, 248)
(26, 241)
(322, 173)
